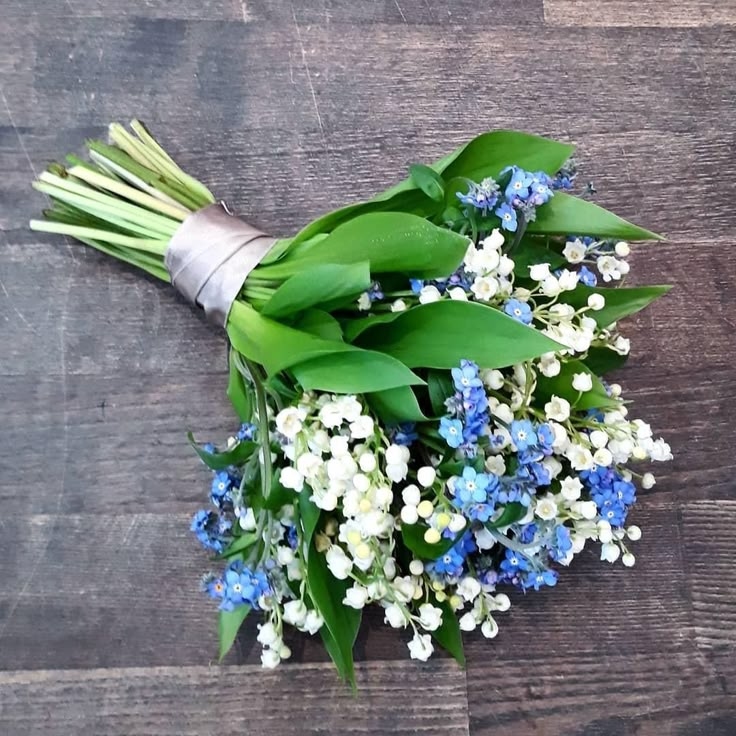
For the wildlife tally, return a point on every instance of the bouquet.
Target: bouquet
(423, 422)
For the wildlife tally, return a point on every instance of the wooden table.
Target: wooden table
(288, 109)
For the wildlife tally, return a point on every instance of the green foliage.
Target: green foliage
(428, 180)
(561, 385)
(413, 538)
(229, 623)
(448, 635)
(603, 360)
(238, 390)
(440, 387)
(236, 455)
(511, 513)
(396, 405)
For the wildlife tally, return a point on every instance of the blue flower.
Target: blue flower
(452, 431)
(545, 437)
(453, 561)
(404, 434)
(481, 196)
(247, 431)
(213, 531)
(541, 189)
(518, 310)
(537, 579)
(508, 217)
(512, 564)
(519, 184)
(416, 285)
(587, 277)
(561, 544)
(243, 586)
(523, 434)
(466, 376)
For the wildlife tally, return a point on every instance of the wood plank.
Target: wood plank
(401, 698)
(626, 13)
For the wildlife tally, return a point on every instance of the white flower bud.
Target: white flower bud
(426, 476)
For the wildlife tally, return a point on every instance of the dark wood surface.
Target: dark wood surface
(288, 109)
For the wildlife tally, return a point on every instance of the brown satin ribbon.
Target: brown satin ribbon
(210, 256)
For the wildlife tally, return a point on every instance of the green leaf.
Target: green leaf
(229, 623)
(428, 180)
(237, 455)
(530, 252)
(355, 327)
(439, 384)
(448, 635)
(396, 405)
(603, 360)
(239, 392)
(561, 385)
(343, 667)
(440, 334)
(342, 622)
(413, 537)
(567, 215)
(318, 284)
(511, 513)
(320, 323)
(238, 545)
(620, 301)
(309, 515)
(392, 242)
(359, 371)
(279, 496)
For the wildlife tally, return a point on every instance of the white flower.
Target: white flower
(295, 613)
(409, 515)
(425, 509)
(397, 454)
(582, 382)
(457, 523)
(248, 520)
(561, 441)
(492, 378)
(567, 280)
(338, 562)
(610, 552)
(356, 596)
(596, 302)
(313, 622)
(570, 488)
(458, 294)
(420, 647)
(602, 457)
(468, 589)
(289, 421)
(364, 302)
(495, 464)
(633, 533)
(484, 288)
(587, 509)
(367, 462)
(622, 345)
(395, 616)
(500, 602)
(489, 628)
(580, 457)
(647, 481)
(331, 415)
(574, 251)
(291, 478)
(350, 407)
(399, 306)
(483, 538)
(309, 465)
(285, 555)
(546, 508)
(557, 409)
(467, 622)
(598, 438)
(622, 249)
(539, 271)
(660, 451)
(551, 286)
(485, 260)
(549, 365)
(605, 531)
(411, 495)
(495, 240)
(267, 634)
(609, 268)
(397, 472)
(426, 476)
(429, 294)
(361, 428)
(430, 617)
(628, 559)
(270, 658)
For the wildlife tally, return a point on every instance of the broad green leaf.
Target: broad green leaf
(561, 385)
(428, 180)
(308, 514)
(604, 360)
(239, 544)
(318, 284)
(511, 513)
(620, 301)
(486, 155)
(396, 405)
(448, 635)
(237, 455)
(413, 537)
(439, 384)
(441, 334)
(568, 215)
(392, 242)
(278, 496)
(529, 253)
(239, 392)
(228, 625)
(320, 323)
(344, 668)
(356, 327)
(327, 594)
(359, 371)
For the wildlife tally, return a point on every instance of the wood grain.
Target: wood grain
(395, 697)
(684, 13)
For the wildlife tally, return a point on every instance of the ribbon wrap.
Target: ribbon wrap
(210, 256)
